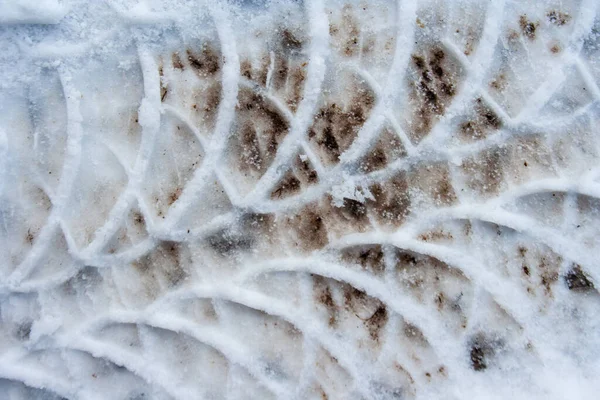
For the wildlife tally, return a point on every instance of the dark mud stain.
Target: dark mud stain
(482, 350)
(522, 251)
(370, 258)
(548, 268)
(346, 33)
(296, 86)
(471, 38)
(246, 69)
(165, 260)
(308, 227)
(258, 223)
(257, 73)
(205, 103)
(174, 196)
(433, 86)
(349, 216)
(138, 219)
(227, 243)
(250, 154)
(336, 125)
(334, 29)
(387, 149)
(211, 101)
(371, 311)
(377, 322)
(323, 296)
(499, 83)
(322, 394)
(484, 122)
(435, 236)
(328, 142)
(206, 63)
(391, 202)
(558, 17)
(290, 43)
(326, 298)
(528, 28)
(467, 228)
(176, 61)
(547, 280)
(555, 49)
(425, 277)
(434, 181)
(354, 299)
(414, 334)
(171, 251)
(261, 129)
(484, 172)
(131, 232)
(353, 210)
(577, 280)
(351, 46)
(374, 160)
(23, 331)
(280, 73)
(478, 359)
(258, 228)
(305, 171)
(30, 236)
(440, 300)
(163, 88)
(257, 105)
(288, 186)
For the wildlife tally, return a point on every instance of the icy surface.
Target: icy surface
(299, 200)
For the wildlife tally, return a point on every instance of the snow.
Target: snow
(25, 12)
(299, 199)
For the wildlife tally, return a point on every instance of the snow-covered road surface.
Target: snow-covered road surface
(299, 199)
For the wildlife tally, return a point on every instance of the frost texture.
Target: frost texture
(328, 200)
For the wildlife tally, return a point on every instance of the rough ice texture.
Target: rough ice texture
(303, 199)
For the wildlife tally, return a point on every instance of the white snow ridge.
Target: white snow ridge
(301, 199)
